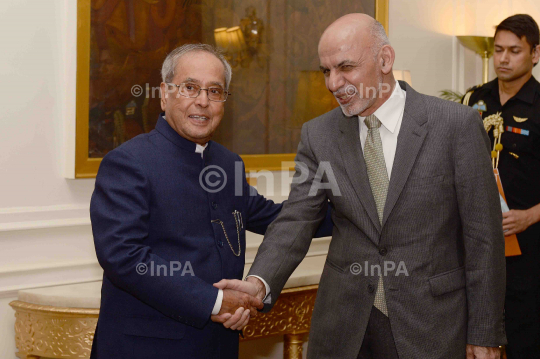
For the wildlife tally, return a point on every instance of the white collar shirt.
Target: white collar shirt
(391, 115)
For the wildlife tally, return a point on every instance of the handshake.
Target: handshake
(241, 299)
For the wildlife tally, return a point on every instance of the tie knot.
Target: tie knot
(372, 122)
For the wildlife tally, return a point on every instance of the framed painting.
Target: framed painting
(271, 45)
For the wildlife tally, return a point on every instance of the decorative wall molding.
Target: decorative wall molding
(41, 209)
(58, 223)
(40, 217)
(47, 275)
(13, 294)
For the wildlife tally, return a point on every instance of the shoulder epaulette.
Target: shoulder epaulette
(468, 94)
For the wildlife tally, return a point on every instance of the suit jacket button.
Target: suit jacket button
(220, 244)
(214, 205)
(383, 251)
(371, 288)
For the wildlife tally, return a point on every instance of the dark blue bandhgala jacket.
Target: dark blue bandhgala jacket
(150, 217)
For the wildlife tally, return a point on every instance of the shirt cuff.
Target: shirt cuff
(219, 301)
(268, 298)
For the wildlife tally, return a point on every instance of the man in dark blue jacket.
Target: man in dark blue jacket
(169, 214)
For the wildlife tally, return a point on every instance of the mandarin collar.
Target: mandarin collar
(163, 127)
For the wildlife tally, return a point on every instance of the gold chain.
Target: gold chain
(237, 221)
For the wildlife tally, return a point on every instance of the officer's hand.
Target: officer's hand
(516, 221)
(476, 352)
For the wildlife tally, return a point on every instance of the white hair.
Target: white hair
(379, 37)
(169, 65)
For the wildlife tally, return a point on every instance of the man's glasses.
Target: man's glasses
(192, 90)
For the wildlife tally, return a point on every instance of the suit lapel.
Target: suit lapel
(411, 136)
(353, 159)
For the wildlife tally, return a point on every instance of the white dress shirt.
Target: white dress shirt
(391, 115)
(200, 149)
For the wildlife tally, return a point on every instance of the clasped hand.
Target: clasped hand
(241, 299)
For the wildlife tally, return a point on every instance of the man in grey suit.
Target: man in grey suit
(416, 264)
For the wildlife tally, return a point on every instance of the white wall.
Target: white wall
(45, 237)
(420, 45)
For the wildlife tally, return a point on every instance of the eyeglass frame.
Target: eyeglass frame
(199, 93)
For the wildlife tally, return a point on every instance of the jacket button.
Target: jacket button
(383, 251)
(214, 205)
(220, 244)
(371, 288)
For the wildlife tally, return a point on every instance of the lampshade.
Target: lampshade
(312, 98)
(236, 39)
(483, 46)
(403, 75)
(222, 40)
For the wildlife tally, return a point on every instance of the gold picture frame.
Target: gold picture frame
(87, 167)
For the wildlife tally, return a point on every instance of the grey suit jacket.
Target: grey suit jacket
(442, 223)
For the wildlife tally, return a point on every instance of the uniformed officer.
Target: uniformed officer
(515, 96)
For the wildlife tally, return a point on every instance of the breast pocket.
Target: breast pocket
(515, 142)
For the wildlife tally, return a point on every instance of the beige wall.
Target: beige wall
(423, 33)
(45, 236)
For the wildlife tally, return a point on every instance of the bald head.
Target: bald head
(354, 31)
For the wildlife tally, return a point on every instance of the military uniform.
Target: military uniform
(519, 167)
